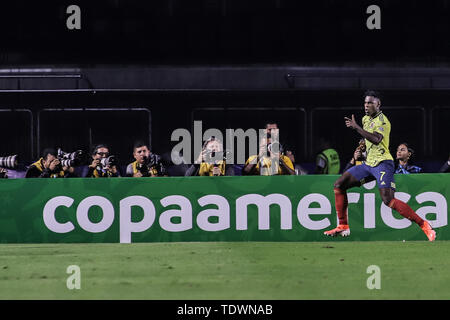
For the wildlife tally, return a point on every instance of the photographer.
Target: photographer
(358, 156)
(49, 166)
(404, 155)
(103, 165)
(270, 154)
(211, 161)
(147, 164)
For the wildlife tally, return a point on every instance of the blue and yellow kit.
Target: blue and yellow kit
(377, 153)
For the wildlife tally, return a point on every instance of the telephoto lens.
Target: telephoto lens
(67, 162)
(71, 159)
(9, 162)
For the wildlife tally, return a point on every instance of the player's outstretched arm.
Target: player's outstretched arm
(375, 137)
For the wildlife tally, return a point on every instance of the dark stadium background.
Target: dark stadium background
(140, 69)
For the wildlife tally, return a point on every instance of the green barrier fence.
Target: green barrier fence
(256, 208)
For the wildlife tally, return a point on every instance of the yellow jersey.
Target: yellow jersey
(151, 171)
(40, 167)
(267, 163)
(377, 153)
(206, 169)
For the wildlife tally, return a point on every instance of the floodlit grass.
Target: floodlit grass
(227, 270)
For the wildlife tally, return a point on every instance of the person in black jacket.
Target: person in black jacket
(49, 166)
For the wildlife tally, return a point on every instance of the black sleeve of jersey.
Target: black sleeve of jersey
(34, 172)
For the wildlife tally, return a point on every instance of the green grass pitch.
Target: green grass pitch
(227, 270)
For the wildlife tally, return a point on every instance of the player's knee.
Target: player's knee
(340, 184)
(337, 184)
(387, 199)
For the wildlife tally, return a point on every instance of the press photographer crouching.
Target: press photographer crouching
(51, 165)
(147, 164)
(103, 164)
(211, 161)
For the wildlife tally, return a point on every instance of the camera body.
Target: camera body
(151, 161)
(213, 157)
(108, 162)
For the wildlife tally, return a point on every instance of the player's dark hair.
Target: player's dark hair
(372, 93)
(48, 151)
(270, 122)
(411, 150)
(94, 151)
(139, 144)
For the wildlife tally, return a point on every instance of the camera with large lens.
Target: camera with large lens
(212, 157)
(143, 167)
(71, 159)
(151, 161)
(275, 147)
(108, 162)
(9, 162)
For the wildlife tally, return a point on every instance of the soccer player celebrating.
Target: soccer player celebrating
(379, 165)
